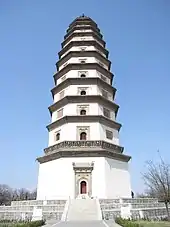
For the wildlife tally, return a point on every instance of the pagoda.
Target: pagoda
(83, 157)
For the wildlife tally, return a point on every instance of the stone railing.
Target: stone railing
(109, 201)
(27, 203)
(16, 208)
(46, 208)
(38, 202)
(148, 205)
(139, 200)
(56, 202)
(110, 206)
(130, 201)
(84, 144)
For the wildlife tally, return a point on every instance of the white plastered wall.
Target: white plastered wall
(74, 90)
(110, 178)
(103, 129)
(69, 132)
(79, 48)
(78, 60)
(71, 109)
(75, 74)
(82, 39)
(117, 179)
(56, 178)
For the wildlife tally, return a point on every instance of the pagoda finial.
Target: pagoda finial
(83, 15)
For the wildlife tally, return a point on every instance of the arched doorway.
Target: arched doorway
(83, 187)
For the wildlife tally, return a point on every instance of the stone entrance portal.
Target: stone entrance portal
(83, 178)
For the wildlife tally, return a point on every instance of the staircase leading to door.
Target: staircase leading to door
(83, 210)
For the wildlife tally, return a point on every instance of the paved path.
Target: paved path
(85, 224)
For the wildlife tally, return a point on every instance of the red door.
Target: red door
(83, 187)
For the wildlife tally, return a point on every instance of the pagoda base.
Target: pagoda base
(100, 177)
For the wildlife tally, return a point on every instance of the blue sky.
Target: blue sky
(137, 34)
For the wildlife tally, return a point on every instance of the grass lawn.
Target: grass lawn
(154, 224)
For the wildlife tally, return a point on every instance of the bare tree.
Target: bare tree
(15, 195)
(142, 195)
(5, 194)
(157, 180)
(8, 194)
(24, 194)
(33, 194)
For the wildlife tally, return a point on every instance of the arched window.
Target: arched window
(83, 136)
(83, 112)
(83, 92)
(82, 75)
(58, 136)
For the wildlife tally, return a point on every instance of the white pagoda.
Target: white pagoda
(83, 156)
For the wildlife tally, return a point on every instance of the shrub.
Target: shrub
(127, 223)
(36, 223)
(22, 224)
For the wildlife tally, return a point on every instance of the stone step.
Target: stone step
(83, 209)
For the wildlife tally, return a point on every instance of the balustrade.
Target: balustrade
(84, 144)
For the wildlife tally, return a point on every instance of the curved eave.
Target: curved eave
(82, 18)
(83, 34)
(83, 43)
(77, 54)
(79, 153)
(84, 99)
(83, 81)
(82, 22)
(85, 66)
(81, 27)
(84, 118)
(96, 30)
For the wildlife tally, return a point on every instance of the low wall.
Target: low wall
(139, 208)
(23, 210)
